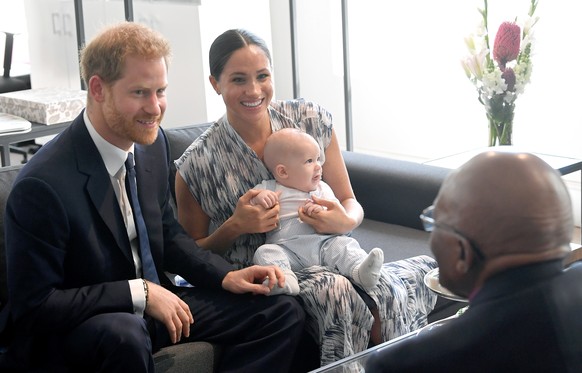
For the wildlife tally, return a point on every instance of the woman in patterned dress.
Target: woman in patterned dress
(213, 192)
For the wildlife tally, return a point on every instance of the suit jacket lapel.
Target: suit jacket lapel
(99, 187)
(143, 162)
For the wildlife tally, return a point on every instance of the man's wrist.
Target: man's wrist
(226, 279)
(137, 291)
(146, 291)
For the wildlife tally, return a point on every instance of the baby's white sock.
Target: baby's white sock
(367, 273)
(291, 285)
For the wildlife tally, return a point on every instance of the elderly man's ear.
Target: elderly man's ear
(466, 256)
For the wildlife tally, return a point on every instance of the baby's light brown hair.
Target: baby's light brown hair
(281, 145)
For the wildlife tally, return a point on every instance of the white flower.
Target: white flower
(528, 24)
(493, 83)
(476, 65)
(483, 72)
(522, 73)
(490, 78)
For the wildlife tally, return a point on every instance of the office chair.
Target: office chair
(13, 83)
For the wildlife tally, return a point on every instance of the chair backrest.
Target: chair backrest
(8, 47)
(7, 82)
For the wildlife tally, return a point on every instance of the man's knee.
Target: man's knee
(111, 341)
(293, 311)
(127, 329)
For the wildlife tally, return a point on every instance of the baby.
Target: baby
(293, 157)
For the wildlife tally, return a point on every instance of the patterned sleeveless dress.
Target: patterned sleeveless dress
(219, 167)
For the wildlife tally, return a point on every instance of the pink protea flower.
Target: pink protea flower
(509, 76)
(506, 45)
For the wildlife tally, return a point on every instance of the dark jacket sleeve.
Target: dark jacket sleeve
(43, 297)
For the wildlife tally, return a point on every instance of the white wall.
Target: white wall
(281, 50)
(320, 57)
(217, 16)
(410, 95)
(12, 19)
(190, 28)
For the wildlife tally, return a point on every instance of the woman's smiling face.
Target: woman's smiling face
(245, 85)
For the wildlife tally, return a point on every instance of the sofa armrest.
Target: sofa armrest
(391, 190)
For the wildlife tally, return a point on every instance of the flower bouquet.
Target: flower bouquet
(502, 75)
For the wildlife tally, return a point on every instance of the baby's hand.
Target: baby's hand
(310, 208)
(266, 198)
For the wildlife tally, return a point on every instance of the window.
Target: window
(410, 97)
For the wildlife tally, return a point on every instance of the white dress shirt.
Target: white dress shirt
(114, 159)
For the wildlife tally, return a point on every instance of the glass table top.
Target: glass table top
(357, 362)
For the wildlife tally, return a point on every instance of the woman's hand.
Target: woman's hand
(251, 218)
(245, 219)
(311, 208)
(266, 198)
(332, 220)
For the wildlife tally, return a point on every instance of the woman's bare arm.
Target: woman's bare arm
(247, 218)
(340, 217)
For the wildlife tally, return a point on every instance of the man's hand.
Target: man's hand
(168, 308)
(250, 280)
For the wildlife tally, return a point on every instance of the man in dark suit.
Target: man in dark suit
(81, 292)
(502, 227)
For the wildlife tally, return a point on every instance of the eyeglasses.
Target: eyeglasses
(427, 218)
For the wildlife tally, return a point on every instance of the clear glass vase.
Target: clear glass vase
(500, 132)
(500, 110)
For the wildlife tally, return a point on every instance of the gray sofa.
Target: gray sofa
(392, 193)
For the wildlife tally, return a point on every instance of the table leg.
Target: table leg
(5, 155)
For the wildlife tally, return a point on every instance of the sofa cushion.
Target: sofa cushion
(187, 357)
(392, 190)
(397, 242)
(181, 137)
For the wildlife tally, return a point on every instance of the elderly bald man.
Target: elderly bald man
(501, 227)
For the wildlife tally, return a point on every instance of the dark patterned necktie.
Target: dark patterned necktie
(147, 261)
